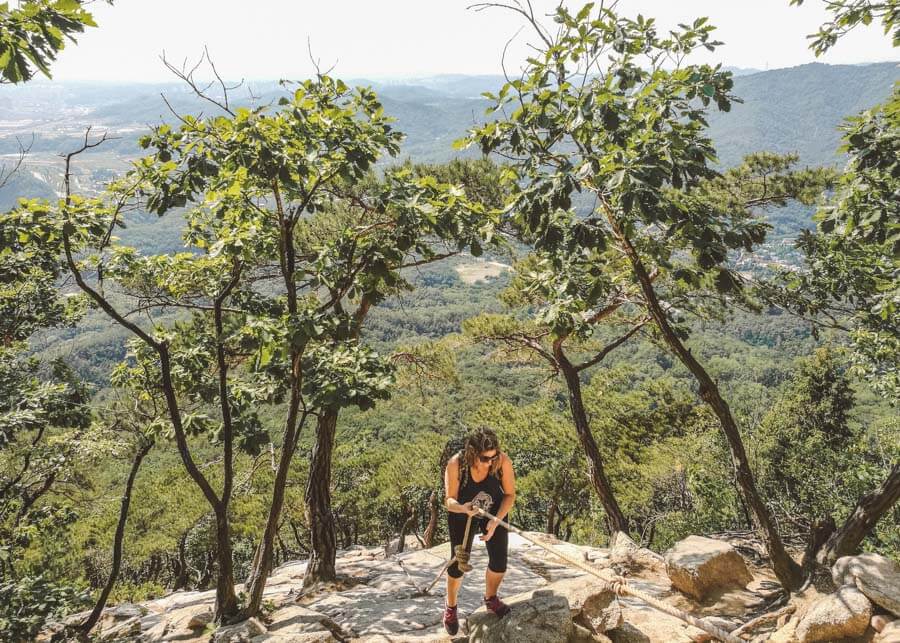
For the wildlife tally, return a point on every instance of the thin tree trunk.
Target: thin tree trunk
(408, 524)
(226, 600)
(297, 538)
(431, 528)
(323, 549)
(262, 559)
(181, 579)
(869, 510)
(551, 515)
(786, 569)
(119, 536)
(615, 518)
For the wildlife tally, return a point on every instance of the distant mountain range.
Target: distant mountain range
(797, 109)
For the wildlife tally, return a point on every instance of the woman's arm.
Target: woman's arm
(451, 485)
(508, 482)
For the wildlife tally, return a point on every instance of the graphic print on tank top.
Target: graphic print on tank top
(490, 485)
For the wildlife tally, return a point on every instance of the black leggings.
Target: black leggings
(497, 546)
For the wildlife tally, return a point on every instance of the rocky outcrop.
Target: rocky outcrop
(592, 605)
(697, 566)
(874, 575)
(378, 599)
(591, 608)
(542, 616)
(844, 614)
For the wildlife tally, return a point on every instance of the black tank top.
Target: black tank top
(490, 485)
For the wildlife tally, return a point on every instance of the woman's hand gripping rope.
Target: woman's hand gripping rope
(479, 503)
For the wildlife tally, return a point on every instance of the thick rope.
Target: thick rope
(618, 585)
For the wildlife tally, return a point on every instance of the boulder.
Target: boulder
(844, 614)
(411, 543)
(698, 565)
(591, 603)
(876, 576)
(200, 620)
(889, 634)
(628, 556)
(242, 632)
(543, 617)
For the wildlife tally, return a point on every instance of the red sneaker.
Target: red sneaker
(451, 620)
(496, 606)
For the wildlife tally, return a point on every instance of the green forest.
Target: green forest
(253, 336)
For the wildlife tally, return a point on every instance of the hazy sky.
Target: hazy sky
(267, 39)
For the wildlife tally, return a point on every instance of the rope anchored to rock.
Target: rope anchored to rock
(611, 581)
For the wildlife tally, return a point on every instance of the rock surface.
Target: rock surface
(542, 616)
(890, 633)
(697, 566)
(627, 556)
(378, 600)
(874, 575)
(591, 604)
(844, 614)
(242, 632)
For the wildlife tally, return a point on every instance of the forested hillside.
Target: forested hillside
(236, 332)
(785, 110)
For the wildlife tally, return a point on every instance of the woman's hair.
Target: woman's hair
(478, 441)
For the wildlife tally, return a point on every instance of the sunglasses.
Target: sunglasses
(491, 458)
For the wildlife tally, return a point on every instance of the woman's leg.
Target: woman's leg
(456, 525)
(492, 582)
(498, 547)
(453, 585)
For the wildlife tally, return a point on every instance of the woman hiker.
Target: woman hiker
(480, 467)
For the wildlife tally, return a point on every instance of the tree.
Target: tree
(808, 423)
(608, 105)
(34, 32)
(402, 232)
(288, 228)
(848, 14)
(852, 260)
(126, 430)
(43, 412)
(43, 408)
(570, 299)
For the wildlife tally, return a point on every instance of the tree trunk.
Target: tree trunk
(119, 536)
(786, 569)
(226, 600)
(262, 558)
(181, 579)
(408, 524)
(869, 510)
(819, 533)
(433, 513)
(323, 549)
(615, 518)
(551, 515)
(296, 532)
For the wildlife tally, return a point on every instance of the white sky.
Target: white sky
(267, 39)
